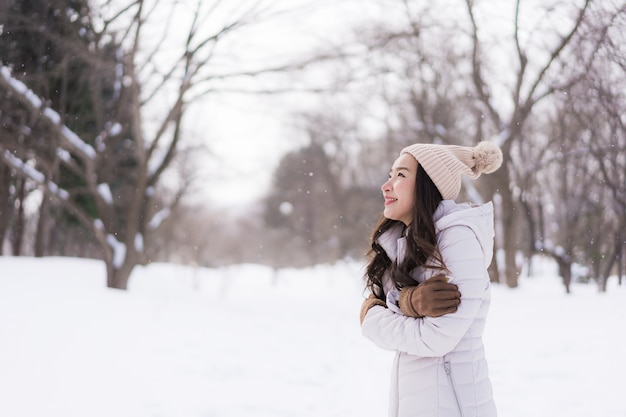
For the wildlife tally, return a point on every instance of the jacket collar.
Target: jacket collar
(447, 214)
(390, 242)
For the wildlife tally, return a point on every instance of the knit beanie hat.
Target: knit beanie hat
(444, 164)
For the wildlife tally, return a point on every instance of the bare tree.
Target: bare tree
(148, 126)
(453, 80)
(604, 136)
(534, 81)
(573, 191)
(557, 188)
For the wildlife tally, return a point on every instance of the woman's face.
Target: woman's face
(399, 190)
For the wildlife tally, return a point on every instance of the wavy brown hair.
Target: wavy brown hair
(421, 240)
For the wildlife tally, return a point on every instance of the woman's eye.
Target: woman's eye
(400, 174)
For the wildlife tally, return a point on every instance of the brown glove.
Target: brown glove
(433, 298)
(370, 302)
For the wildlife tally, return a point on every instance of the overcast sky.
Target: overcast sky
(247, 135)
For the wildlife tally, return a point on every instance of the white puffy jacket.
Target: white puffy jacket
(440, 368)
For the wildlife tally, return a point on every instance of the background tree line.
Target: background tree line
(546, 83)
(93, 103)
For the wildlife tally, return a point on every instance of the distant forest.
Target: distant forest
(95, 160)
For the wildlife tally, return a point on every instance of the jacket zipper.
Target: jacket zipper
(446, 366)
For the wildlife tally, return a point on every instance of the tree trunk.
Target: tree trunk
(612, 259)
(565, 271)
(510, 243)
(620, 262)
(493, 270)
(511, 269)
(494, 266)
(606, 272)
(18, 228)
(42, 228)
(118, 277)
(5, 202)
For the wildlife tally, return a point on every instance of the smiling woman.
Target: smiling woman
(430, 290)
(398, 190)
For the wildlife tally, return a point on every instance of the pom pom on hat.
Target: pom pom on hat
(488, 157)
(445, 164)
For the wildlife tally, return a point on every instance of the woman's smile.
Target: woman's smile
(389, 200)
(399, 188)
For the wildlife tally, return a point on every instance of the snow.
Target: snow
(105, 192)
(98, 224)
(158, 218)
(139, 242)
(78, 142)
(247, 340)
(119, 251)
(115, 129)
(19, 86)
(25, 168)
(64, 155)
(35, 175)
(286, 208)
(48, 113)
(52, 115)
(60, 192)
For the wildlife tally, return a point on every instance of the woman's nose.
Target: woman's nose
(386, 186)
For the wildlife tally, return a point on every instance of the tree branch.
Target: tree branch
(555, 54)
(479, 83)
(523, 61)
(37, 107)
(52, 189)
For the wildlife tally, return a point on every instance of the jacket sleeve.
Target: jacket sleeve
(436, 336)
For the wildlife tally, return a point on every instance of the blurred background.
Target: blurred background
(212, 133)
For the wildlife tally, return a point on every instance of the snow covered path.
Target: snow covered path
(248, 341)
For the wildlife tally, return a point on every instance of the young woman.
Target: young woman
(436, 327)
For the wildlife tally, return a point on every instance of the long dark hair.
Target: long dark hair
(421, 240)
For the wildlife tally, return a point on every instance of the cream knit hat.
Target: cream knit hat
(444, 164)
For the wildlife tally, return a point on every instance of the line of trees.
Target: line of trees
(93, 99)
(546, 83)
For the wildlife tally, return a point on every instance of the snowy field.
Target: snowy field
(246, 341)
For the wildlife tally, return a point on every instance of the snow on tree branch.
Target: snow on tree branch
(52, 189)
(105, 193)
(29, 99)
(33, 174)
(139, 246)
(119, 251)
(158, 218)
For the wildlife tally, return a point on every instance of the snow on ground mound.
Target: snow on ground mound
(248, 340)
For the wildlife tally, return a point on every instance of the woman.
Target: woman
(425, 238)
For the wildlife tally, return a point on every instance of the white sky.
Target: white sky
(248, 135)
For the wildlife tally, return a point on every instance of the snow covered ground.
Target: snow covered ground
(249, 341)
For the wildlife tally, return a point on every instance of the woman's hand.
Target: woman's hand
(370, 302)
(434, 297)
